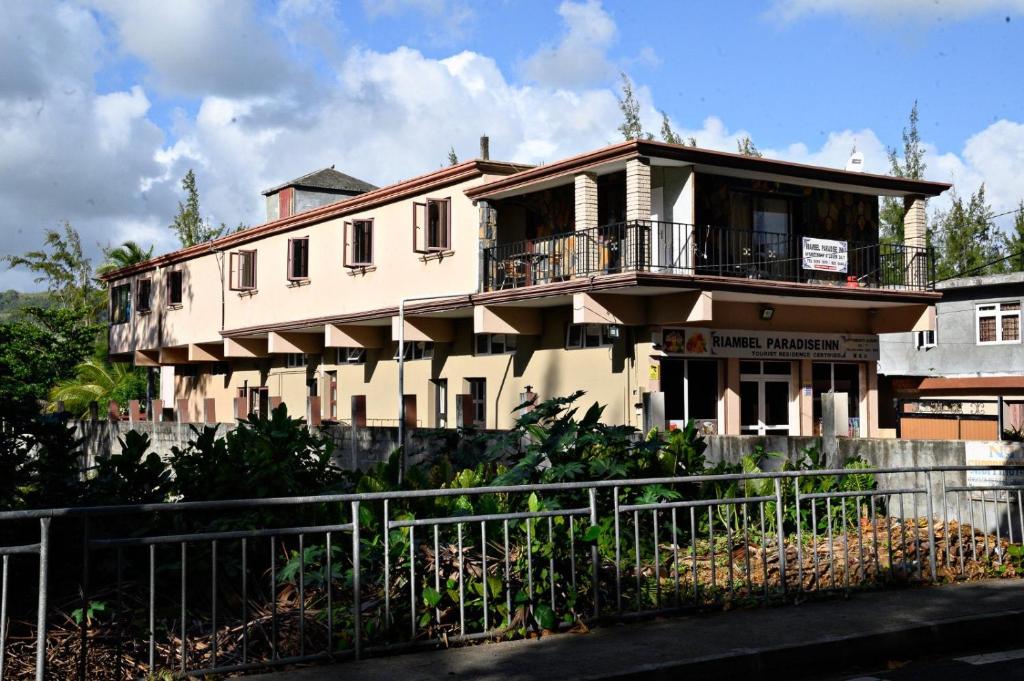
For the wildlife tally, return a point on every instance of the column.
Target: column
(915, 239)
(584, 251)
(636, 247)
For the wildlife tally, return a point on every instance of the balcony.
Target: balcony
(681, 249)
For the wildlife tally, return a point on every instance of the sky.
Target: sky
(105, 104)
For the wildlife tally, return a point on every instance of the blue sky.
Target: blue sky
(105, 104)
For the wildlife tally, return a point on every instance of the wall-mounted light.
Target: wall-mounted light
(613, 330)
(767, 312)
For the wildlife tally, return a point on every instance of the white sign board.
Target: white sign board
(769, 345)
(995, 454)
(826, 255)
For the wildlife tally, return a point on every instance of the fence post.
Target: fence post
(780, 532)
(44, 557)
(594, 558)
(931, 527)
(357, 622)
(3, 612)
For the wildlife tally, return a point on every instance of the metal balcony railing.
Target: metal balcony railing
(676, 248)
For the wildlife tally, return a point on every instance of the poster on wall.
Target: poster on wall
(825, 255)
(770, 345)
(979, 453)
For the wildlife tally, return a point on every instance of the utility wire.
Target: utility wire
(966, 273)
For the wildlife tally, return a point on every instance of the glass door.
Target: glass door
(764, 398)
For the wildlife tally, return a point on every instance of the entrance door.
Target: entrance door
(764, 398)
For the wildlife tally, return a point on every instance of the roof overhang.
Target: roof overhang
(613, 157)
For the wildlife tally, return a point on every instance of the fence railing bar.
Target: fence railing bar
(242, 504)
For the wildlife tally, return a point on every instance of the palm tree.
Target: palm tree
(97, 381)
(127, 254)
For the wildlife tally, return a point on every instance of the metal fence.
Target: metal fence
(229, 586)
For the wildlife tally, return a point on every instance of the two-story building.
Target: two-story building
(668, 282)
(949, 382)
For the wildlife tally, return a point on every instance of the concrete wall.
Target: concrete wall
(957, 352)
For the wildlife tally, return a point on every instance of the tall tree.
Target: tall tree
(1015, 242)
(669, 135)
(37, 351)
(63, 266)
(453, 158)
(912, 166)
(966, 240)
(100, 382)
(188, 223)
(746, 147)
(127, 254)
(631, 128)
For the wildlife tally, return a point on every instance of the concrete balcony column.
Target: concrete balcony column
(636, 247)
(585, 249)
(586, 200)
(915, 236)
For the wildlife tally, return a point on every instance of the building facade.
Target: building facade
(951, 381)
(667, 282)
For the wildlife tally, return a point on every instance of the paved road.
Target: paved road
(813, 640)
(1004, 665)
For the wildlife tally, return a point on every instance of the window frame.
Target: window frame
(488, 341)
(421, 211)
(171, 274)
(995, 310)
(237, 262)
(605, 340)
(424, 348)
(124, 306)
(924, 339)
(304, 260)
(292, 360)
(479, 402)
(349, 356)
(139, 309)
(350, 246)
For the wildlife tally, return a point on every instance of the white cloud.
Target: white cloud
(100, 161)
(580, 57)
(449, 19)
(199, 47)
(910, 11)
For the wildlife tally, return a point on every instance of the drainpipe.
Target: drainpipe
(401, 366)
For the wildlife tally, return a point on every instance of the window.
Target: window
(998, 322)
(298, 259)
(351, 356)
(924, 339)
(120, 303)
(416, 350)
(478, 391)
(496, 343)
(441, 403)
(243, 271)
(438, 229)
(691, 392)
(175, 289)
(359, 243)
(143, 295)
(587, 336)
(295, 360)
(432, 226)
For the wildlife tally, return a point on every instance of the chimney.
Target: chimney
(485, 148)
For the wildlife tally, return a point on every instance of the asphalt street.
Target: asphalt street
(1005, 665)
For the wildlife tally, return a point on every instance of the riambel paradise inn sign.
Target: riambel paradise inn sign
(770, 345)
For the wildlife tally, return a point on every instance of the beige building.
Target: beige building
(668, 282)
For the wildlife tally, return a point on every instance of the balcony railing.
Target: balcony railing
(674, 248)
